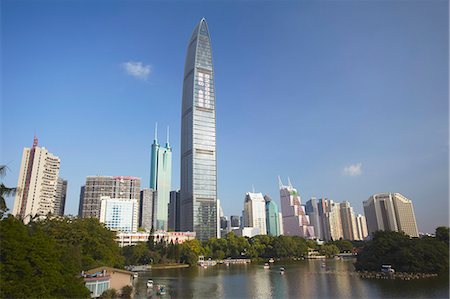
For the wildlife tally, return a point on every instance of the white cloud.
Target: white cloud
(353, 169)
(137, 69)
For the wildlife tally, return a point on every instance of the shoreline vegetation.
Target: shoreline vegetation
(45, 258)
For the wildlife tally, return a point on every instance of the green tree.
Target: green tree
(329, 250)
(109, 294)
(126, 292)
(4, 192)
(442, 233)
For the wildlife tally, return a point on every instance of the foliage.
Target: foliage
(329, 250)
(109, 294)
(4, 192)
(426, 255)
(126, 292)
(442, 234)
(342, 245)
(32, 264)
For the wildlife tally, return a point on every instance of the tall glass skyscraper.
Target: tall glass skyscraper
(198, 138)
(160, 180)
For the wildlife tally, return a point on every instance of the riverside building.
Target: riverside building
(295, 220)
(123, 187)
(160, 181)
(390, 211)
(37, 184)
(255, 212)
(198, 175)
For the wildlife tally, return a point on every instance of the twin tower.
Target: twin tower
(198, 176)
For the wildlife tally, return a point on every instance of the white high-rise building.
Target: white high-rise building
(348, 221)
(361, 227)
(255, 212)
(295, 220)
(37, 183)
(390, 211)
(119, 214)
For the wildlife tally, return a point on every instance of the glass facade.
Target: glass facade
(198, 139)
(119, 214)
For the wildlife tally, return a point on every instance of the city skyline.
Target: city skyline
(358, 107)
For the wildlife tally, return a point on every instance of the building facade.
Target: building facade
(295, 220)
(60, 197)
(361, 227)
(348, 221)
(390, 211)
(119, 214)
(147, 199)
(37, 184)
(160, 181)
(123, 187)
(174, 211)
(255, 212)
(198, 174)
(272, 217)
(312, 211)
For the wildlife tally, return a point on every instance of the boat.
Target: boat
(387, 269)
(271, 260)
(281, 270)
(161, 290)
(266, 266)
(135, 275)
(149, 283)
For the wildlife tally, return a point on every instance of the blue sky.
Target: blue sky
(347, 98)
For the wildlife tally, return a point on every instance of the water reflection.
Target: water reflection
(306, 279)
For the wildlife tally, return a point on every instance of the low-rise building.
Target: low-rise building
(100, 279)
(133, 238)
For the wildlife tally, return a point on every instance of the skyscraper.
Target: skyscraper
(125, 187)
(160, 180)
(198, 138)
(60, 197)
(255, 212)
(312, 211)
(146, 202)
(361, 227)
(37, 183)
(295, 220)
(272, 215)
(174, 211)
(390, 211)
(120, 214)
(348, 221)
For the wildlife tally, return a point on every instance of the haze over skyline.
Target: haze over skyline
(347, 99)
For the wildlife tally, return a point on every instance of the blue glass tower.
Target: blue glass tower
(198, 192)
(160, 180)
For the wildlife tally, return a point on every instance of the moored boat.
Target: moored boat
(266, 266)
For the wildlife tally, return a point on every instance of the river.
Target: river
(305, 279)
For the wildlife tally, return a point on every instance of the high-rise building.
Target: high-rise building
(348, 221)
(361, 227)
(390, 211)
(255, 212)
(272, 215)
(235, 221)
(123, 187)
(331, 224)
(147, 199)
(119, 214)
(160, 180)
(198, 138)
(295, 220)
(174, 211)
(80, 203)
(37, 183)
(312, 211)
(60, 197)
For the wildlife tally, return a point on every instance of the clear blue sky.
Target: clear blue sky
(347, 98)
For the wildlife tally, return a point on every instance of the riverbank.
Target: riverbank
(396, 275)
(169, 266)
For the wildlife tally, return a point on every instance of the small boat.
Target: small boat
(281, 270)
(266, 266)
(135, 275)
(161, 290)
(149, 283)
(323, 265)
(271, 260)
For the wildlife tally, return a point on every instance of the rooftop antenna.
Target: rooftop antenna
(290, 184)
(35, 139)
(280, 183)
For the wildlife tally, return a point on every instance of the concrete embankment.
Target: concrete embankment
(396, 275)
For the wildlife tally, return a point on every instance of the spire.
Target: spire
(35, 140)
(167, 142)
(280, 183)
(253, 188)
(290, 184)
(155, 140)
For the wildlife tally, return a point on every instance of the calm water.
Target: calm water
(306, 279)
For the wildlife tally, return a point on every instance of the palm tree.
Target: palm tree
(4, 191)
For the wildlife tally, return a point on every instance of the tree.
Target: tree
(329, 250)
(109, 294)
(442, 233)
(126, 292)
(4, 192)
